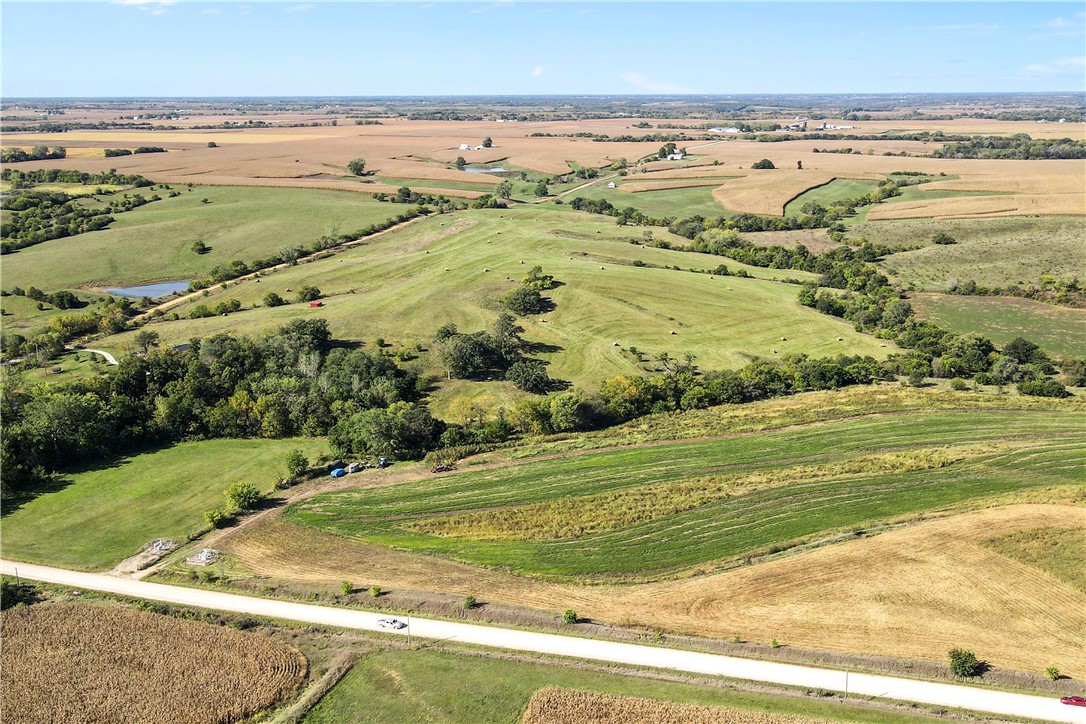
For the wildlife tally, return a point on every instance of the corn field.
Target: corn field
(551, 705)
(82, 663)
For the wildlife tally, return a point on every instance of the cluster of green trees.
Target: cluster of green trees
(22, 179)
(62, 299)
(1018, 146)
(39, 216)
(1069, 293)
(112, 152)
(43, 346)
(495, 354)
(404, 195)
(37, 153)
(291, 382)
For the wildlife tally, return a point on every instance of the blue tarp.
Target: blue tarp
(338, 473)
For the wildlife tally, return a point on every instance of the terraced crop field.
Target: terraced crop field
(728, 517)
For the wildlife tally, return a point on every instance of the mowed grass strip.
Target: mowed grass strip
(579, 516)
(726, 528)
(98, 517)
(444, 686)
(1060, 552)
(154, 242)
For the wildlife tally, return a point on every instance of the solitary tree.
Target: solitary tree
(487, 143)
(200, 247)
(505, 189)
(461, 163)
(965, 664)
(357, 166)
(764, 163)
(271, 299)
(146, 339)
(308, 293)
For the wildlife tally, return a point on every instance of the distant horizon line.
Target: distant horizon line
(412, 96)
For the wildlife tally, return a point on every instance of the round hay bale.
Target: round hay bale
(673, 332)
(784, 339)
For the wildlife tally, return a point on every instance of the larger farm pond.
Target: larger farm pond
(153, 291)
(479, 169)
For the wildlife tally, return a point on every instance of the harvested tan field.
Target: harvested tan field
(81, 663)
(817, 240)
(970, 207)
(424, 150)
(767, 191)
(554, 705)
(914, 592)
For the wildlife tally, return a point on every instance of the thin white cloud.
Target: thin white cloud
(537, 71)
(210, 11)
(298, 8)
(1074, 64)
(651, 85)
(966, 28)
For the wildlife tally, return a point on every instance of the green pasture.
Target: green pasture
(443, 686)
(1048, 450)
(92, 519)
(1060, 331)
(678, 203)
(455, 269)
(21, 314)
(154, 242)
(992, 252)
(836, 191)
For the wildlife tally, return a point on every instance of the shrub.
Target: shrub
(774, 644)
(569, 616)
(964, 664)
(216, 517)
(308, 294)
(297, 463)
(1043, 388)
(1052, 673)
(764, 163)
(470, 603)
(958, 384)
(525, 300)
(271, 299)
(357, 166)
(375, 591)
(212, 144)
(943, 238)
(346, 587)
(243, 496)
(199, 247)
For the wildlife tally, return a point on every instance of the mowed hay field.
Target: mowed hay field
(991, 252)
(441, 685)
(658, 511)
(95, 518)
(397, 288)
(154, 242)
(83, 663)
(1060, 331)
(552, 705)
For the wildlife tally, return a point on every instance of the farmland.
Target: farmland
(96, 663)
(395, 685)
(1060, 331)
(991, 252)
(92, 519)
(731, 524)
(154, 242)
(605, 306)
(570, 706)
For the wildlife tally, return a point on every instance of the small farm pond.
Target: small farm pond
(151, 290)
(477, 169)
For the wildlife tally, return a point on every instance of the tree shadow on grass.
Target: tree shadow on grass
(61, 479)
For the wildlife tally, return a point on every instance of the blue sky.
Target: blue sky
(163, 48)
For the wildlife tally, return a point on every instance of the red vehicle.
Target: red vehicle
(1073, 700)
